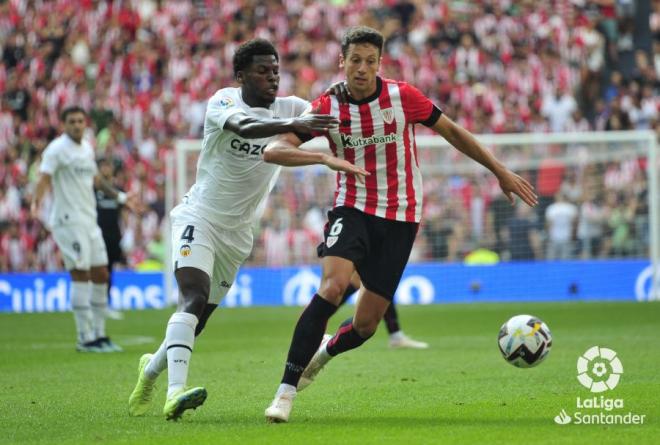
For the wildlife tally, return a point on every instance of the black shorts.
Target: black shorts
(378, 247)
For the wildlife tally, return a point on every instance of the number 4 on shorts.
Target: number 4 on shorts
(188, 233)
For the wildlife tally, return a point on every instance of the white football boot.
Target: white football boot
(280, 409)
(315, 366)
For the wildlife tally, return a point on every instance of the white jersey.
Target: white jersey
(72, 168)
(232, 178)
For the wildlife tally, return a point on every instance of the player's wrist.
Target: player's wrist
(499, 170)
(122, 197)
(292, 125)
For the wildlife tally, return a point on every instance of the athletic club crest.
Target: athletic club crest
(388, 115)
(185, 250)
(331, 241)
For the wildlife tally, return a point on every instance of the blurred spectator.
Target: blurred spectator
(560, 217)
(571, 186)
(620, 219)
(558, 107)
(144, 68)
(524, 235)
(590, 226)
(17, 248)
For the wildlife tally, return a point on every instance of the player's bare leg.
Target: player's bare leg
(194, 288)
(397, 338)
(308, 333)
(351, 334)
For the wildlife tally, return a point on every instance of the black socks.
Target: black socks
(345, 339)
(307, 338)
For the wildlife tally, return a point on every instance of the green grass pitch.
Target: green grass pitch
(459, 391)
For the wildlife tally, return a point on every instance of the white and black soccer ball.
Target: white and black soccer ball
(524, 341)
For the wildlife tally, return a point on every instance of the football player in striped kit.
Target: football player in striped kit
(376, 215)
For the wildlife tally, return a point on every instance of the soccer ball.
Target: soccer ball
(524, 341)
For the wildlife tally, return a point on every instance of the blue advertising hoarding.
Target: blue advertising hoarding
(421, 284)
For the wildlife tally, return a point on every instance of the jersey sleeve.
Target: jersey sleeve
(418, 108)
(320, 105)
(49, 161)
(299, 105)
(221, 107)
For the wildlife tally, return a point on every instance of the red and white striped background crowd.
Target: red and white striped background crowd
(144, 69)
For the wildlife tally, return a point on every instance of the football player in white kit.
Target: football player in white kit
(212, 227)
(68, 166)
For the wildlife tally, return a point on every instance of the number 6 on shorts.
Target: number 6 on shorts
(336, 227)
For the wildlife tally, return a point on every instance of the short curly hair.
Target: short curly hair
(255, 47)
(362, 34)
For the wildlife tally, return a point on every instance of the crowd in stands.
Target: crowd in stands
(145, 68)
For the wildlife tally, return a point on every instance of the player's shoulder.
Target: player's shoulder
(401, 84)
(290, 100)
(226, 97)
(88, 146)
(58, 144)
(322, 103)
(289, 106)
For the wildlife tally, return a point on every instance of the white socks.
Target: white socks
(180, 337)
(99, 308)
(82, 311)
(158, 362)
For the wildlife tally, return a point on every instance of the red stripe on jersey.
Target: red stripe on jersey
(349, 155)
(391, 159)
(325, 107)
(322, 105)
(371, 181)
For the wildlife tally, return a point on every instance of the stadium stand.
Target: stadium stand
(144, 69)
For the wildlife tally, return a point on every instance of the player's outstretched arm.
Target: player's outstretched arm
(252, 127)
(43, 185)
(127, 199)
(285, 150)
(464, 141)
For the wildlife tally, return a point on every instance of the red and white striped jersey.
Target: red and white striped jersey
(377, 133)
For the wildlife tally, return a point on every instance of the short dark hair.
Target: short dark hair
(362, 34)
(247, 50)
(70, 110)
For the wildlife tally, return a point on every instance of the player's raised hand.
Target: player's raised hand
(342, 165)
(309, 123)
(133, 203)
(511, 184)
(339, 89)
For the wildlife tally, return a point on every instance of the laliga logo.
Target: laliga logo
(599, 369)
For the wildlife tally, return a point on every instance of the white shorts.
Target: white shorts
(82, 247)
(219, 253)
